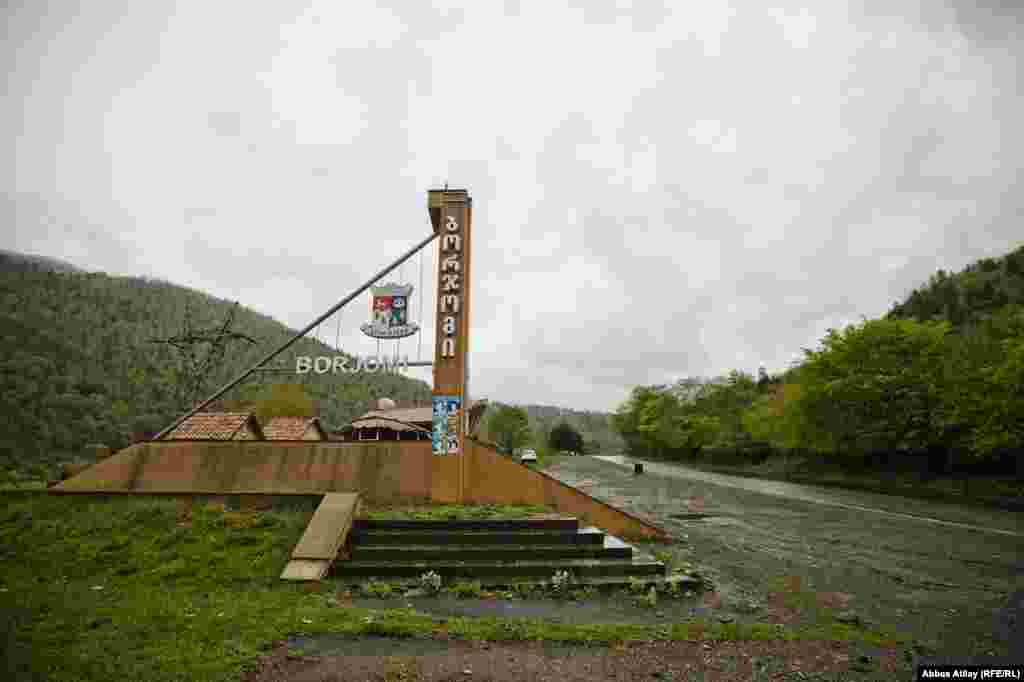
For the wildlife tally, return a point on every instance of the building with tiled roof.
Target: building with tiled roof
(294, 428)
(218, 426)
(389, 422)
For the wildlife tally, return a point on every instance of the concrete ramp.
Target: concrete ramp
(324, 537)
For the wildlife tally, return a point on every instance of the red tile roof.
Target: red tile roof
(214, 426)
(291, 428)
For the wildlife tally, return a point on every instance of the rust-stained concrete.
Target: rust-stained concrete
(386, 472)
(496, 479)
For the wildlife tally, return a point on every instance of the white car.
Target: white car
(528, 456)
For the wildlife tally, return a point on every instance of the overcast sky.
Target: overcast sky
(659, 190)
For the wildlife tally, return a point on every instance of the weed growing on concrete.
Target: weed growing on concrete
(522, 590)
(560, 581)
(583, 593)
(466, 590)
(430, 581)
(650, 600)
(636, 585)
(375, 589)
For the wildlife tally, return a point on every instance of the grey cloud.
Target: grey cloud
(225, 123)
(733, 193)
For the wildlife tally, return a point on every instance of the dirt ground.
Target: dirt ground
(480, 661)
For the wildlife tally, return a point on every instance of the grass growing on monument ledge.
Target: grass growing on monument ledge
(137, 588)
(449, 512)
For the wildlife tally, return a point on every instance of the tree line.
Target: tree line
(939, 378)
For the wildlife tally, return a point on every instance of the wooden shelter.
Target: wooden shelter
(390, 423)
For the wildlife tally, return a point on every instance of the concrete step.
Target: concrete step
(481, 525)
(611, 548)
(495, 581)
(583, 568)
(584, 536)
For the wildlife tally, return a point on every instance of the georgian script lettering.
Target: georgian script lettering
(451, 263)
(450, 303)
(450, 282)
(451, 242)
(448, 348)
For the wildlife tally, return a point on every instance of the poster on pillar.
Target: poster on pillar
(445, 436)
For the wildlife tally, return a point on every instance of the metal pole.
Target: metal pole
(338, 306)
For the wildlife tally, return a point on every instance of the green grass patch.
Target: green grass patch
(452, 512)
(466, 590)
(128, 588)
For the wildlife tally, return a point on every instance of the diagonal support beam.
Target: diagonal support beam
(283, 347)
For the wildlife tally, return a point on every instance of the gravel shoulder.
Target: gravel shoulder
(947, 585)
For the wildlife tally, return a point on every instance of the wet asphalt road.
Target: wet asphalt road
(943, 574)
(871, 503)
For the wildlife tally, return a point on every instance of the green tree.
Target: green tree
(654, 422)
(564, 437)
(982, 397)
(284, 400)
(875, 386)
(509, 427)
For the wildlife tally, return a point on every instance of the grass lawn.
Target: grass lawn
(146, 589)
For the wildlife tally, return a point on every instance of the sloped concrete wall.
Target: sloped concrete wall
(495, 479)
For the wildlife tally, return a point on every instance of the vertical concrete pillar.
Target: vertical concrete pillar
(450, 213)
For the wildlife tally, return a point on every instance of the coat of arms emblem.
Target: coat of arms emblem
(391, 313)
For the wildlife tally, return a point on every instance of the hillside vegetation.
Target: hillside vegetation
(938, 380)
(594, 427)
(78, 364)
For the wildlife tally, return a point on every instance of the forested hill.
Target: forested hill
(12, 260)
(970, 295)
(78, 363)
(595, 427)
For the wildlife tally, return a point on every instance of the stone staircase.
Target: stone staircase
(495, 552)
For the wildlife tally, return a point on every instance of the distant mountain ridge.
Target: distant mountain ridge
(13, 260)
